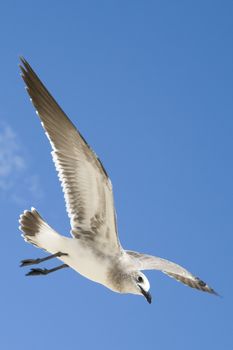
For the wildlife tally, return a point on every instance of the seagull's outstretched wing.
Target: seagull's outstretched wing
(149, 262)
(86, 186)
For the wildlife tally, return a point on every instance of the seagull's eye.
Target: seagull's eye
(140, 279)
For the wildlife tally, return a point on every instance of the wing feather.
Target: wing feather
(149, 262)
(85, 183)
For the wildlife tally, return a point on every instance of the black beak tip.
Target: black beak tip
(149, 298)
(147, 295)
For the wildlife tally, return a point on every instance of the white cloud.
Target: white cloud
(33, 185)
(11, 161)
(14, 168)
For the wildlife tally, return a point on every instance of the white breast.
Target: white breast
(85, 261)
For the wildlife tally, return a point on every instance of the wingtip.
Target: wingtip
(21, 64)
(24, 65)
(22, 59)
(212, 291)
(201, 285)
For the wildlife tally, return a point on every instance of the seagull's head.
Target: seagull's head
(131, 281)
(141, 285)
(135, 282)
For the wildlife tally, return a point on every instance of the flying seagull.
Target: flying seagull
(94, 250)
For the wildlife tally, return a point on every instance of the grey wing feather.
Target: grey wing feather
(149, 262)
(86, 186)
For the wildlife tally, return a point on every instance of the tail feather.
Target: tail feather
(37, 232)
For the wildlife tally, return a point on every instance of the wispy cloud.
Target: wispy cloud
(12, 162)
(14, 168)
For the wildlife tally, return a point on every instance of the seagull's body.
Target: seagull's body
(82, 259)
(94, 250)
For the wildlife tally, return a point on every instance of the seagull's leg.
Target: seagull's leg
(39, 260)
(39, 272)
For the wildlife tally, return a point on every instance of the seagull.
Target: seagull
(94, 249)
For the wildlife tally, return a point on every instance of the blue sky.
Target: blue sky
(149, 85)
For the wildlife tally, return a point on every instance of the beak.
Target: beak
(147, 295)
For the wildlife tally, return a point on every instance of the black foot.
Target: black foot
(37, 272)
(28, 262)
(43, 272)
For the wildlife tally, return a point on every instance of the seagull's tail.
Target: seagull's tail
(37, 232)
